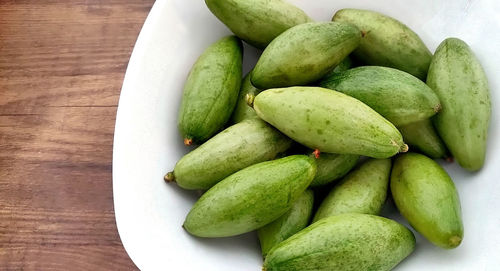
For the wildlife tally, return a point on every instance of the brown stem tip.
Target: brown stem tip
(363, 33)
(188, 141)
(449, 159)
(404, 148)
(169, 177)
(317, 153)
(437, 108)
(249, 99)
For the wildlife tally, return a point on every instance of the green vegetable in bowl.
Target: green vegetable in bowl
(257, 22)
(251, 198)
(344, 242)
(211, 91)
(387, 42)
(330, 121)
(426, 196)
(460, 82)
(239, 146)
(398, 96)
(304, 54)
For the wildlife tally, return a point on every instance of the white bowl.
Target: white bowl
(149, 213)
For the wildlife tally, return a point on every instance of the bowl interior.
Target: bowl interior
(150, 213)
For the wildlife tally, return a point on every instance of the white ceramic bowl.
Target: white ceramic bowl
(150, 213)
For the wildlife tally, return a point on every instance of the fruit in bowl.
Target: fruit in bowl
(302, 106)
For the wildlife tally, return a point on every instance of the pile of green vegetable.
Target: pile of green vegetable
(321, 95)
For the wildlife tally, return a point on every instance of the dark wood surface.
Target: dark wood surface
(61, 68)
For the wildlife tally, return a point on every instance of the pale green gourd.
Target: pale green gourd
(329, 121)
(348, 242)
(251, 198)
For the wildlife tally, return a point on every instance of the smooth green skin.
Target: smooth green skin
(237, 147)
(347, 242)
(211, 90)
(344, 65)
(329, 121)
(341, 67)
(304, 54)
(243, 111)
(363, 191)
(332, 167)
(422, 136)
(460, 82)
(251, 198)
(257, 22)
(398, 96)
(387, 42)
(293, 221)
(426, 196)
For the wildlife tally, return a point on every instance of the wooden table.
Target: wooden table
(61, 68)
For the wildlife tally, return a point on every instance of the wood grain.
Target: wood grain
(61, 68)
